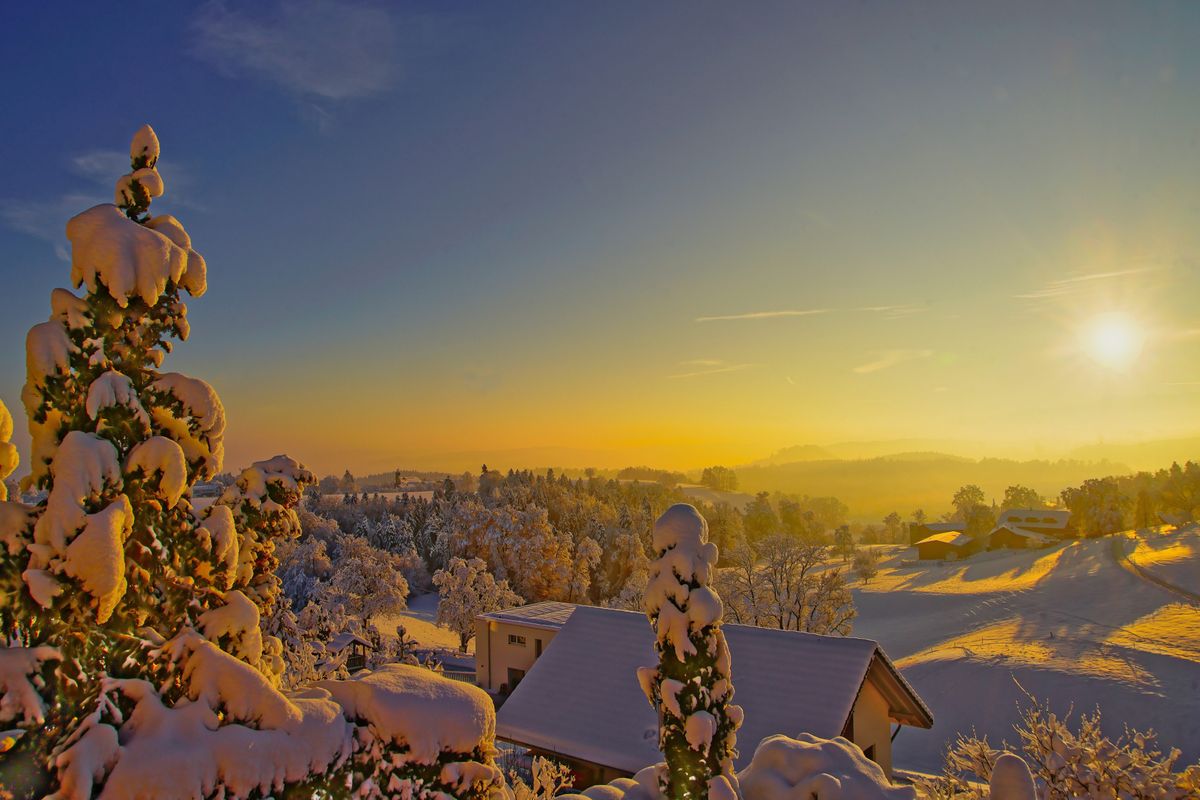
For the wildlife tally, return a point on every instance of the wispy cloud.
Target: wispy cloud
(764, 314)
(1077, 283)
(325, 50)
(1178, 335)
(891, 358)
(707, 366)
(894, 311)
(46, 220)
(103, 167)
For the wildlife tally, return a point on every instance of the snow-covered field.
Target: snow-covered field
(1069, 623)
(1173, 557)
(420, 621)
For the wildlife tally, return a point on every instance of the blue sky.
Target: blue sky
(462, 228)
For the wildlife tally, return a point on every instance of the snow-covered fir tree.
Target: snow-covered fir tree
(136, 659)
(691, 687)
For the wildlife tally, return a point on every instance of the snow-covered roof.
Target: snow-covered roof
(945, 527)
(582, 699)
(1033, 536)
(538, 615)
(342, 640)
(1051, 518)
(953, 538)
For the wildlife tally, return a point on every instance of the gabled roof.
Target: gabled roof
(1033, 536)
(1039, 518)
(539, 615)
(342, 640)
(953, 538)
(945, 527)
(582, 699)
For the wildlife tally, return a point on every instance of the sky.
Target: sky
(615, 233)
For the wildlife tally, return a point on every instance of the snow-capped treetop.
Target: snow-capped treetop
(128, 258)
(143, 150)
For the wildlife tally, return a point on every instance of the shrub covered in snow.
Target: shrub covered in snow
(1065, 763)
(136, 663)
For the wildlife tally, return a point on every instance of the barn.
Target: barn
(947, 546)
(1006, 537)
(917, 532)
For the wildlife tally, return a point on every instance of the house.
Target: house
(508, 642)
(1046, 521)
(918, 532)
(581, 701)
(1008, 536)
(949, 545)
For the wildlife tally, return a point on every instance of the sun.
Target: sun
(1113, 340)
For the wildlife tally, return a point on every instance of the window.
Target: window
(519, 641)
(870, 752)
(537, 648)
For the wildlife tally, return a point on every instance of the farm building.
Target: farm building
(1007, 537)
(949, 545)
(581, 702)
(918, 532)
(1046, 521)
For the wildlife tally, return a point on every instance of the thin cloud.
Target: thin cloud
(894, 311)
(103, 167)
(46, 220)
(764, 314)
(891, 358)
(712, 367)
(1077, 283)
(327, 50)
(1180, 335)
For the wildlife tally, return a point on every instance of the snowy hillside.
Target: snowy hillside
(1069, 623)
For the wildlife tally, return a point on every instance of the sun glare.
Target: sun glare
(1113, 340)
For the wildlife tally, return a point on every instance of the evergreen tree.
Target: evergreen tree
(691, 687)
(133, 618)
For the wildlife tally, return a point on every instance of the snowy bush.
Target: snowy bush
(137, 664)
(1069, 763)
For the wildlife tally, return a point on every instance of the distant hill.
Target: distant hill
(1150, 455)
(790, 455)
(714, 496)
(903, 482)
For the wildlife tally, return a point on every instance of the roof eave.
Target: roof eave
(904, 704)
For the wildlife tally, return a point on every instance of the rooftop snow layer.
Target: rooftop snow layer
(582, 697)
(542, 615)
